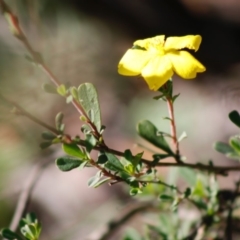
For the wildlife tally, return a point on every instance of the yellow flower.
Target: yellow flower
(156, 59)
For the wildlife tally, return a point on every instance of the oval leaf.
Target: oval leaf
(113, 163)
(73, 150)
(88, 98)
(235, 144)
(8, 234)
(223, 148)
(93, 180)
(235, 117)
(150, 133)
(68, 163)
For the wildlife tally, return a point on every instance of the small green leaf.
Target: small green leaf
(73, 150)
(128, 155)
(235, 117)
(158, 157)
(83, 118)
(150, 133)
(8, 234)
(132, 234)
(136, 159)
(69, 99)
(93, 180)
(167, 118)
(99, 183)
(187, 193)
(135, 191)
(199, 189)
(200, 204)
(83, 165)
(48, 135)
(62, 90)
(88, 98)
(102, 158)
(58, 121)
(233, 155)
(90, 142)
(165, 197)
(113, 163)
(31, 218)
(159, 97)
(68, 163)
(138, 48)
(30, 232)
(74, 92)
(175, 97)
(223, 148)
(56, 140)
(49, 88)
(182, 136)
(129, 169)
(235, 144)
(45, 145)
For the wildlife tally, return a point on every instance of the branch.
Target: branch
(113, 226)
(26, 192)
(36, 57)
(18, 110)
(222, 170)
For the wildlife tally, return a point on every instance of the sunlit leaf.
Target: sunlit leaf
(150, 133)
(73, 150)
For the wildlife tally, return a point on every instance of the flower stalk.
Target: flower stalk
(173, 128)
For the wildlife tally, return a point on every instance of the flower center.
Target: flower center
(157, 45)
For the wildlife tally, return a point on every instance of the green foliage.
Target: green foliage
(231, 150)
(48, 135)
(59, 122)
(8, 234)
(49, 88)
(29, 227)
(62, 90)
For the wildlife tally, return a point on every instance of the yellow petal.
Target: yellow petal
(184, 64)
(189, 41)
(150, 42)
(133, 62)
(157, 72)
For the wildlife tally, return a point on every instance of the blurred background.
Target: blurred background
(83, 41)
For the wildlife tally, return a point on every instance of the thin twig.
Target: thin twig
(26, 192)
(113, 226)
(21, 111)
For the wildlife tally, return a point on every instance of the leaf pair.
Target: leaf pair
(76, 158)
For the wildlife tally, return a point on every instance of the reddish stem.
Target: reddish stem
(173, 127)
